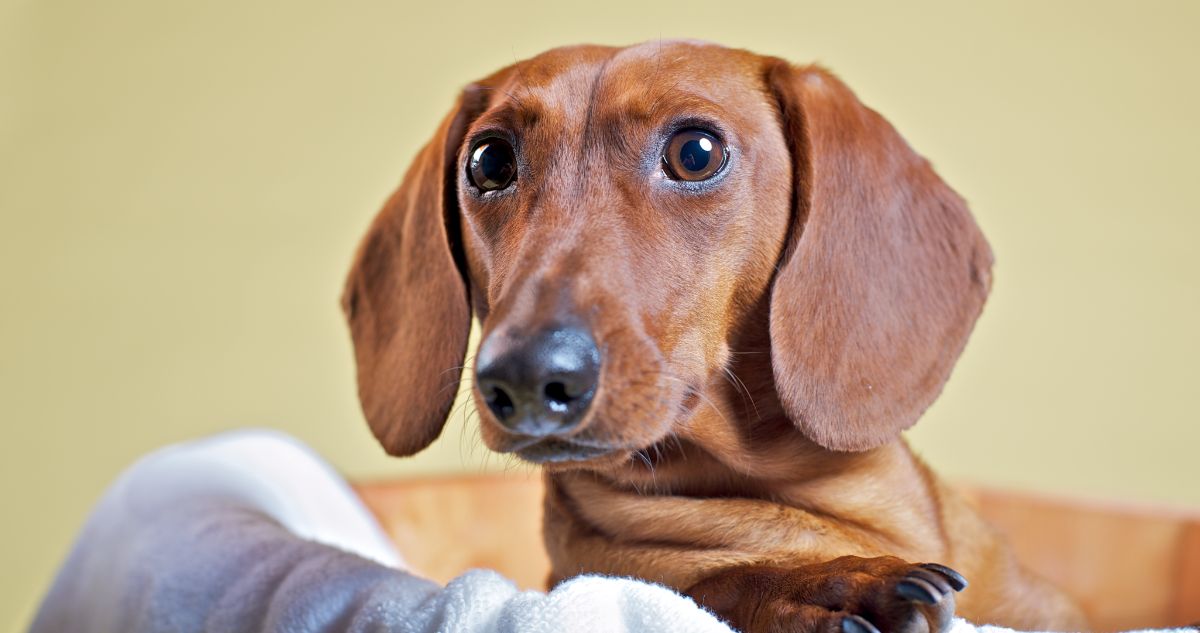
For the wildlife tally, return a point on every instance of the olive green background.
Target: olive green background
(182, 186)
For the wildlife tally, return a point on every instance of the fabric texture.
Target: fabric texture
(252, 531)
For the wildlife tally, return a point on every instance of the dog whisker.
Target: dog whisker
(741, 387)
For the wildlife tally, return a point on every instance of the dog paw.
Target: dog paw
(845, 595)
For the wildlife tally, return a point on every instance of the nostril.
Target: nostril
(557, 396)
(500, 402)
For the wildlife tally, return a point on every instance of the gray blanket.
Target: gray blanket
(251, 531)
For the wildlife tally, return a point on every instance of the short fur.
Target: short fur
(766, 336)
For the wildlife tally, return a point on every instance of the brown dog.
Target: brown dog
(714, 289)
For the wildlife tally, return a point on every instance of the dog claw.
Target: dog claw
(918, 590)
(857, 624)
(956, 579)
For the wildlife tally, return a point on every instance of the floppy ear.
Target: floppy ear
(883, 275)
(406, 300)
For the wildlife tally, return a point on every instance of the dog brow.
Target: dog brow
(522, 111)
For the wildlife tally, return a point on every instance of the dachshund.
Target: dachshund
(714, 288)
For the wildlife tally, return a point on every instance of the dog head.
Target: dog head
(624, 221)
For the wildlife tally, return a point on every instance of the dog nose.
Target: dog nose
(541, 385)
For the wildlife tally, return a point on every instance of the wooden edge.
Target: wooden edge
(1187, 580)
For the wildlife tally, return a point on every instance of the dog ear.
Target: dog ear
(882, 277)
(406, 298)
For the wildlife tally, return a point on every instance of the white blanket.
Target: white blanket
(251, 531)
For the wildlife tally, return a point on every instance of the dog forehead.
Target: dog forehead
(634, 81)
(654, 75)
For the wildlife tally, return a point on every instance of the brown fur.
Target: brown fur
(765, 339)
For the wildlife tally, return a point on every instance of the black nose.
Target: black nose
(540, 385)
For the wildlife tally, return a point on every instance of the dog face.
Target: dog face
(644, 217)
(622, 220)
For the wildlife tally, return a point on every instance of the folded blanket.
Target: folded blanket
(251, 531)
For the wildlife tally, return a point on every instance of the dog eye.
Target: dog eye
(693, 155)
(492, 165)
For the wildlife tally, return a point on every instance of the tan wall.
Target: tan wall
(183, 183)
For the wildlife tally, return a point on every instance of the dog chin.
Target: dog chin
(557, 453)
(562, 452)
